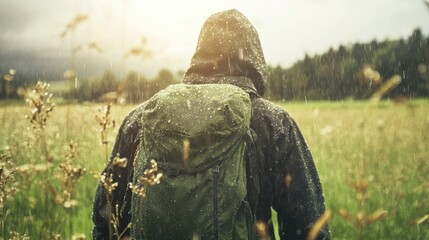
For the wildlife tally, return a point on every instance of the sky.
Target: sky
(30, 31)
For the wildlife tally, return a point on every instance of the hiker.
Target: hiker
(280, 171)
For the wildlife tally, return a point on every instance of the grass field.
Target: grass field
(372, 161)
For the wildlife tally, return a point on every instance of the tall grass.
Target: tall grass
(54, 195)
(372, 159)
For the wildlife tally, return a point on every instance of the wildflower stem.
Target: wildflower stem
(106, 150)
(3, 222)
(71, 220)
(109, 214)
(107, 124)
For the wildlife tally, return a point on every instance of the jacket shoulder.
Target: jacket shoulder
(270, 121)
(269, 111)
(131, 122)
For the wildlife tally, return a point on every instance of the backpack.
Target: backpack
(198, 135)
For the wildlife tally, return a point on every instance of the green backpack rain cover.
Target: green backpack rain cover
(197, 135)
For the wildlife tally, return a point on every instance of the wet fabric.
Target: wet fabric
(210, 117)
(289, 181)
(228, 40)
(205, 188)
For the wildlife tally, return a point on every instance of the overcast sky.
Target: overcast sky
(288, 29)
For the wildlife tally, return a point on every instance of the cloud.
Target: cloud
(288, 29)
(14, 17)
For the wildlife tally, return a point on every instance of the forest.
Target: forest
(396, 69)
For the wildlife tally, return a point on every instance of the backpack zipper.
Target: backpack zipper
(215, 202)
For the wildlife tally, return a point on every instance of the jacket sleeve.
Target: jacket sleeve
(289, 183)
(297, 192)
(125, 145)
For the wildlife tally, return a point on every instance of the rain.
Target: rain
(199, 120)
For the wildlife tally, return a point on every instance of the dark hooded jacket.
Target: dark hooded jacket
(229, 51)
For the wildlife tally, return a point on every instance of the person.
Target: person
(229, 51)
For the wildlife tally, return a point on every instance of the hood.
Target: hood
(228, 48)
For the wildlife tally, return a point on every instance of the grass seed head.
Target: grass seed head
(150, 177)
(57, 237)
(108, 183)
(107, 124)
(8, 184)
(39, 100)
(69, 174)
(17, 236)
(120, 162)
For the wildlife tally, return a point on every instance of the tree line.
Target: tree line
(134, 88)
(358, 71)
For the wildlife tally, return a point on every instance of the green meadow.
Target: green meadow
(372, 161)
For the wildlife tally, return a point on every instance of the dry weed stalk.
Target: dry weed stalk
(73, 24)
(361, 219)
(17, 236)
(360, 185)
(107, 177)
(419, 221)
(74, 237)
(139, 50)
(8, 186)
(41, 106)
(70, 176)
(319, 225)
(115, 224)
(57, 237)
(110, 185)
(422, 189)
(150, 177)
(107, 124)
(40, 103)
